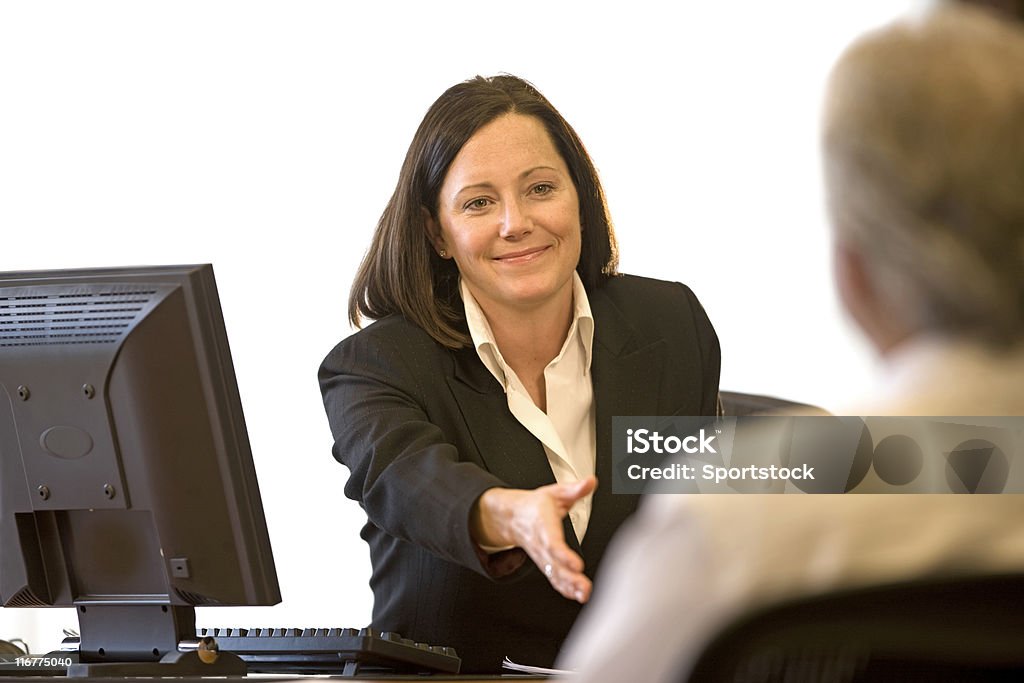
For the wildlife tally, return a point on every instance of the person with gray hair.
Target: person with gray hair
(923, 146)
(924, 168)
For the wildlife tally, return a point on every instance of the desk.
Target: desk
(268, 678)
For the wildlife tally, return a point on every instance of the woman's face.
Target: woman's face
(508, 213)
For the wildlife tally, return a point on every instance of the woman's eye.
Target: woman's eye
(479, 203)
(543, 188)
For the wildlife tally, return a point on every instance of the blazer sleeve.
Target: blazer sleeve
(405, 475)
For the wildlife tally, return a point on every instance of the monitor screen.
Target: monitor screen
(127, 486)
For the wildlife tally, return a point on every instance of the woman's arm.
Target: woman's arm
(404, 473)
(413, 484)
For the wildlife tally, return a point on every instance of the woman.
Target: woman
(476, 412)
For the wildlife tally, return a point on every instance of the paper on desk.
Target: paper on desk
(538, 670)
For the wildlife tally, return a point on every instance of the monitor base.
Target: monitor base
(173, 664)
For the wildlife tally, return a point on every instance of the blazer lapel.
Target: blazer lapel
(627, 375)
(507, 448)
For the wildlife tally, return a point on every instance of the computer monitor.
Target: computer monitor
(127, 486)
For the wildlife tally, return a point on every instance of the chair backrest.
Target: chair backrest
(955, 629)
(737, 404)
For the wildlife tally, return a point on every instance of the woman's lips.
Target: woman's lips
(521, 256)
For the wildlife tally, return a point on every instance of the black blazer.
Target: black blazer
(426, 430)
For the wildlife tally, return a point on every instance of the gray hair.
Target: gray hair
(923, 142)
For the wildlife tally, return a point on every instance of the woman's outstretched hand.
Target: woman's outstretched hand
(532, 520)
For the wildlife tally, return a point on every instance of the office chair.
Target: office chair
(967, 629)
(737, 404)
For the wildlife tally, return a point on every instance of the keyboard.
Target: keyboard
(335, 651)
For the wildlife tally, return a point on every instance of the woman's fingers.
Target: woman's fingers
(562, 567)
(572, 585)
(532, 520)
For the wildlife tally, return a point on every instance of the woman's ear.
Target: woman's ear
(433, 230)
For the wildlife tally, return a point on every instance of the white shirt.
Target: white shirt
(686, 565)
(568, 429)
(932, 375)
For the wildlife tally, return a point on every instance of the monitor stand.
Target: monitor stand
(143, 641)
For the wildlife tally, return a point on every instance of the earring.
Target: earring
(444, 254)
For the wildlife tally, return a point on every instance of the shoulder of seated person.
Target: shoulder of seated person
(393, 330)
(656, 308)
(382, 341)
(625, 291)
(624, 285)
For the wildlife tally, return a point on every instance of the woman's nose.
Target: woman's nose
(515, 223)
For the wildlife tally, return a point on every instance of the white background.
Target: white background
(266, 138)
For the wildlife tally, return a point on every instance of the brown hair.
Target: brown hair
(401, 273)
